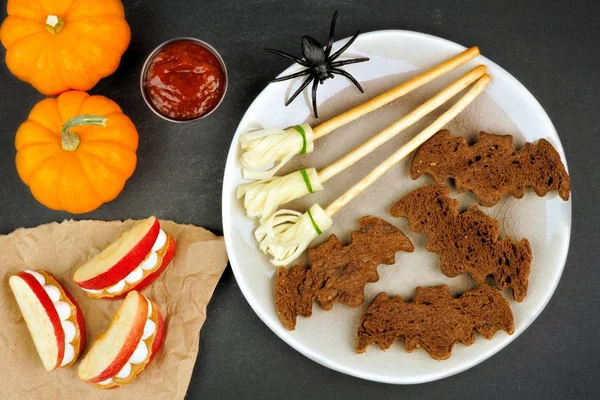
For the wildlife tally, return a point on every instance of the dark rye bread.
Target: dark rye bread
(492, 168)
(468, 242)
(434, 320)
(338, 272)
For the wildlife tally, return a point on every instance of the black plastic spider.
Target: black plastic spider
(320, 65)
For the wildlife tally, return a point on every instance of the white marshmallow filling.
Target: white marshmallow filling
(64, 311)
(149, 264)
(141, 351)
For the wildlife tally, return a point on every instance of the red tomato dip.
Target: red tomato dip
(185, 80)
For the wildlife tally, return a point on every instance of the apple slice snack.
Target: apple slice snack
(132, 262)
(52, 315)
(131, 341)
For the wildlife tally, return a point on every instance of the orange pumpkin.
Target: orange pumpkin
(59, 45)
(75, 152)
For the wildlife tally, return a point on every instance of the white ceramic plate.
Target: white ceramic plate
(506, 108)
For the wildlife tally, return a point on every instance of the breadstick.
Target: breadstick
(401, 124)
(409, 147)
(394, 93)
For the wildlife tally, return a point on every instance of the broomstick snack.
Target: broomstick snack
(287, 233)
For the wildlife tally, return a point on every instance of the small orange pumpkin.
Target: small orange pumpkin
(64, 44)
(75, 152)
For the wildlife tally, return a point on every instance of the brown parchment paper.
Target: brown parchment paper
(182, 291)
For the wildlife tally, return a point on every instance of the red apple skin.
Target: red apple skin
(157, 342)
(126, 264)
(160, 334)
(42, 296)
(133, 338)
(147, 281)
(79, 319)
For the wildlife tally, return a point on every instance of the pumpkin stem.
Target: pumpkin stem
(70, 140)
(54, 24)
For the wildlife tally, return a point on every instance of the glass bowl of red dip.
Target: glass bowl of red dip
(184, 79)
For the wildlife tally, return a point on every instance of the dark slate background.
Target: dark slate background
(550, 46)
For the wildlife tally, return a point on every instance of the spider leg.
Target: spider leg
(346, 62)
(331, 31)
(350, 77)
(344, 47)
(314, 97)
(299, 90)
(289, 56)
(292, 76)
